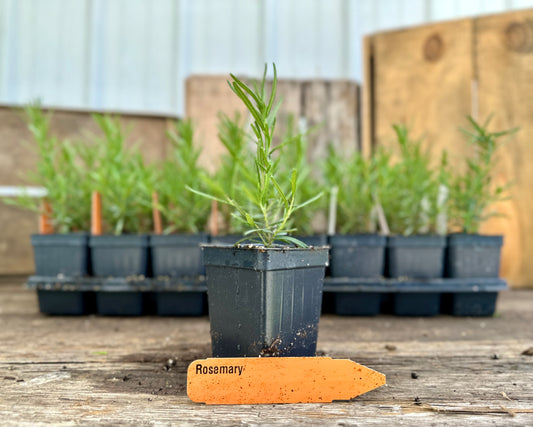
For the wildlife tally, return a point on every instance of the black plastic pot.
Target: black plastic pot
(226, 239)
(264, 301)
(357, 255)
(419, 256)
(184, 303)
(66, 303)
(473, 255)
(65, 254)
(119, 256)
(471, 303)
(177, 255)
(121, 303)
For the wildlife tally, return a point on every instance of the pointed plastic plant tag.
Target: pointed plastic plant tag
(278, 380)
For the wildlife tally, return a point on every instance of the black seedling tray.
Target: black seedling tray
(411, 297)
(131, 296)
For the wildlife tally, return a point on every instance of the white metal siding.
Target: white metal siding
(134, 55)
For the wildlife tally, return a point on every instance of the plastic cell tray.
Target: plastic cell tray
(411, 297)
(120, 296)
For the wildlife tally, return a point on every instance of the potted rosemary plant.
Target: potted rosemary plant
(120, 177)
(265, 296)
(176, 252)
(472, 193)
(63, 176)
(64, 252)
(412, 207)
(357, 250)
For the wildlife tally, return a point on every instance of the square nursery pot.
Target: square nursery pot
(65, 303)
(61, 254)
(417, 303)
(264, 302)
(177, 255)
(121, 303)
(119, 256)
(471, 303)
(473, 255)
(358, 303)
(419, 256)
(357, 255)
(181, 303)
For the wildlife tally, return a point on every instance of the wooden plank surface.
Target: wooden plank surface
(115, 371)
(505, 65)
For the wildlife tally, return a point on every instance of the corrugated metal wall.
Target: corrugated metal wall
(134, 55)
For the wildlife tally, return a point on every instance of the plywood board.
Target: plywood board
(421, 77)
(504, 54)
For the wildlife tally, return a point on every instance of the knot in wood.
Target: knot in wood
(433, 47)
(518, 37)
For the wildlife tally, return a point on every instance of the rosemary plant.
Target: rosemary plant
(473, 192)
(61, 172)
(184, 211)
(270, 208)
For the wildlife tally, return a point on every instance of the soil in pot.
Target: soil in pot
(264, 302)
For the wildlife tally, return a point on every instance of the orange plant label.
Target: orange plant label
(278, 380)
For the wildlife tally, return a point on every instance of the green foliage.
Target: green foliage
(473, 192)
(269, 209)
(361, 184)
(61, 172)
(235, 171)
(123, 179)
(184, 211)
(292, 154)
(411, 206)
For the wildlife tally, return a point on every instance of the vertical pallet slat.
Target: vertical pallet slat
(504, 52)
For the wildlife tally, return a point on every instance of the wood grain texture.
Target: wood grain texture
(330, 107)
(504, 52)
(132, 371)
(422, 78)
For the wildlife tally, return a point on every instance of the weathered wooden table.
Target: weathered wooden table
(104, 370)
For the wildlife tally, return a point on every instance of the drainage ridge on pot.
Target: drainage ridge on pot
(264, 301)
(473, 255)
(177, 255)
(119, 256)
(357, 255)
(416, 256)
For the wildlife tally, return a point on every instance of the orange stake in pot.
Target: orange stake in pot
(250, 380)
(96, 214)
(45, 218)
(156, 214)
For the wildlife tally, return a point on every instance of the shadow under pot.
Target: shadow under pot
(61, 254)
(119, 256)
(417, 256)
(264, 301)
